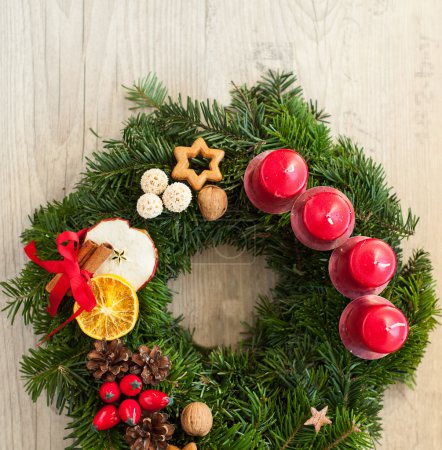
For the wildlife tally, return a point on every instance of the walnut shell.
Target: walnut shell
(212, 201)
(196, 419)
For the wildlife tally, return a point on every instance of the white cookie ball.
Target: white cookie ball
(149, 206)
(177, 197)
(154, 181)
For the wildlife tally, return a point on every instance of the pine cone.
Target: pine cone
(152, 432)
(109, 360)
(151, 365)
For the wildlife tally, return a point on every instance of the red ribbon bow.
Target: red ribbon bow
(73, 277)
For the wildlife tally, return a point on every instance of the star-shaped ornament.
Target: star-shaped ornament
(182, 170)
(191, 446)
(318, 419)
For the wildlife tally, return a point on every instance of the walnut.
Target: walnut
(212, 201)
(196, 419)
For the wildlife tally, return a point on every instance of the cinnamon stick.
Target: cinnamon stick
(90, 258)
(97, 258)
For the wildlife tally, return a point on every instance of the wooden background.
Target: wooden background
(375, 65)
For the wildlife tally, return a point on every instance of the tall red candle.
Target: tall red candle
(322, 218)
(362, 266)
(371, 327)
(274, 179)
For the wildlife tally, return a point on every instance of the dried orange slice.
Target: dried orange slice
(116, 312)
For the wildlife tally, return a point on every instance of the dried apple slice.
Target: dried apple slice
(135, 257)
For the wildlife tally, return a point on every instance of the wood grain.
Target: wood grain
(376, 66)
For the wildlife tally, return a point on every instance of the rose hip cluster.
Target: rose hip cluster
(130, 409)
(123, 373)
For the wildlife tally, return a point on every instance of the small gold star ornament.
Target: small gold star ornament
(182, 170)
(318, 419)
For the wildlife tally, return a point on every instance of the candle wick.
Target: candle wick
(380, 264)
(290, 168)
(395, 325)
(329, 219)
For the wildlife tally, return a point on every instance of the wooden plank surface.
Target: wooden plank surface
(376, 66)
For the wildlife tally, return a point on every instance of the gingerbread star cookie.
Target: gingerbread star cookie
(182, 170)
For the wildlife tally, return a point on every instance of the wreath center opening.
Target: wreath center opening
(220, 294)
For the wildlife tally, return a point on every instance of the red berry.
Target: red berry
(109, 392)
(106, 418)
(130, 411)
(153, 400)
(130, 385)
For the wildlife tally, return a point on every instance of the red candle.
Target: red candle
(362, 266)
(371, 327)
(322, 218)
(274, 179)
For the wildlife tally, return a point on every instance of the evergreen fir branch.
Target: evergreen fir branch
(60, 371)
(343, 437)
(27, 294)
(220, 127)
(147, 92)
(245, 104)
(292, 411)
(276, 87)
(319, 114)
(346, 433)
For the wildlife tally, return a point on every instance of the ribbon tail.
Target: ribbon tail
(82, 291)
(52, 333)
(58, 294)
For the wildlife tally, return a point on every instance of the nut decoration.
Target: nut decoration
(212, 201)
(196, 419)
